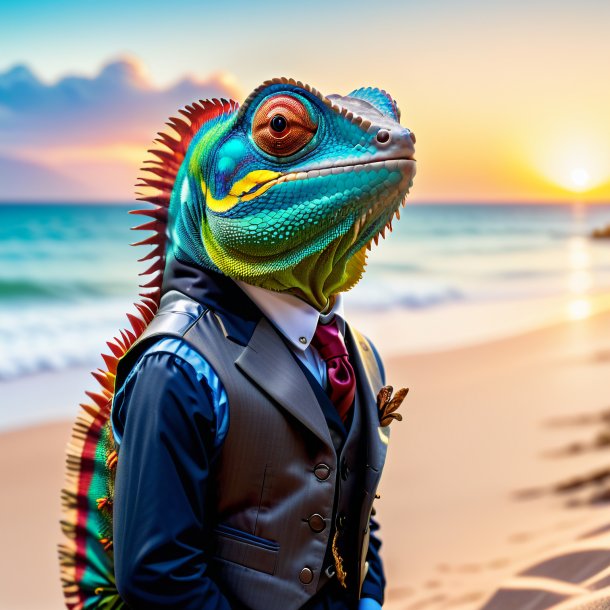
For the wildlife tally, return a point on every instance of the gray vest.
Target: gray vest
(279, 479)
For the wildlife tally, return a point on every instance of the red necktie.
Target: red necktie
(341, 378)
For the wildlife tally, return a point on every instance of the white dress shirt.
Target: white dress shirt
(296, 320)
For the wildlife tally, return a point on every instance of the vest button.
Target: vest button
(306, 576)
(317, 523)
(322, 472)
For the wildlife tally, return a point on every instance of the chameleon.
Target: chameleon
(288, 191)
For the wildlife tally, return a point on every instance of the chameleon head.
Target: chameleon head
(290, 191)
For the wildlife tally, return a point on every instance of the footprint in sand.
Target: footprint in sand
(576, 577)
(521, 537)
(496, 564)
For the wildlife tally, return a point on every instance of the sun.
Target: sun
(577, 165)
(580, 178)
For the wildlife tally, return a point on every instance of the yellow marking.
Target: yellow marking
(258, 192)
(236, 194)
(218, 205)
(249, 181)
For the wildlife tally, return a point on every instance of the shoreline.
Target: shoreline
(450, 327)
(430, 331)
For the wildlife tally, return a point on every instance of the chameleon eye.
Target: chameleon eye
(282, 126)
(278, 123)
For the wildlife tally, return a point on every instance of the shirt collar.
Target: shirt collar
(293, 317)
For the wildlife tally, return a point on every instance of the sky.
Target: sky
(509, 100)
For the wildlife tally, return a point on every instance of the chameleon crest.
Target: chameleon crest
(286, 192)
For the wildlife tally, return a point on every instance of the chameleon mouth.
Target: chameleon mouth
(406, 166)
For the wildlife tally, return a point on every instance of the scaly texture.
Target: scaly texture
(286, 192)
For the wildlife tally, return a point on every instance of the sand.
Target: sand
(477, 438)
(476, 430)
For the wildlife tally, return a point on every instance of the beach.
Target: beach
(465, 497)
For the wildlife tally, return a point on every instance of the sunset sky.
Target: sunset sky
(510, 101)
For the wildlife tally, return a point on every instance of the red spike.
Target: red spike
(154, 239)
(146, 313)
(115, 349)
(165, 155)
(152, 305)
(99, 399)
(152, 225)
(154, 163)
(165, 137)
(137, 324)
(129, 336)
(156, 281)
(111, 362)
(177, 155)
(180, 126)
(205, 110)
(171, 166)
(125, 339)
(93, 411)
(171, 143)
(159, 199)
(141, 305)
(141, 294)
(161, 171)
(158, 212)
(162, 185)
(120, 343)
(154, 293)
(158, 265)
(189, 110)
(106, 382)
(156, 251)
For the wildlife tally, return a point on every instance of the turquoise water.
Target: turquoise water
(68, 275)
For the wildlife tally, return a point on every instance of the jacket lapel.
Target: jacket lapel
(266, 361)
(365, 365)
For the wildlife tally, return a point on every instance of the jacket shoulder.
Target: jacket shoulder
(177, 313)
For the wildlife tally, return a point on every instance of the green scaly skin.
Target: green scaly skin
(299, 223)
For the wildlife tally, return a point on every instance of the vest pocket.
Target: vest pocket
(245, 549)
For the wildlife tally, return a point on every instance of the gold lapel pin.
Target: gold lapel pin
(387, 405)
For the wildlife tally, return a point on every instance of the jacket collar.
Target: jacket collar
(215, 291)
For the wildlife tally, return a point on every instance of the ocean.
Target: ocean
(68, 275)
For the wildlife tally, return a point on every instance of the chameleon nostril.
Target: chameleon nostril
(383, 136)
(412, 136)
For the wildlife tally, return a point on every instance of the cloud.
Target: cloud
(119, 101)
(79, 125)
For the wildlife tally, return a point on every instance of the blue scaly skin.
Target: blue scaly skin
(292, 209)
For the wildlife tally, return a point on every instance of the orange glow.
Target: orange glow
(58, 156)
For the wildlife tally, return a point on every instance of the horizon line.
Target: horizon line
(431, 202)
